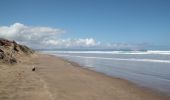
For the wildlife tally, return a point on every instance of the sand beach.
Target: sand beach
(58, 79)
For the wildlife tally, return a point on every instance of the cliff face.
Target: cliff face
(11, 52)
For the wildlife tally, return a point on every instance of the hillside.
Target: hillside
(11, 52)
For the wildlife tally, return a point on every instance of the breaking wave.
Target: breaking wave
(116, 52)
(119, 59)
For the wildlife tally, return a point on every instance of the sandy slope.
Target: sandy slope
(57, 79)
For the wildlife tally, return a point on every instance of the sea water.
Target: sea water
(146, 68)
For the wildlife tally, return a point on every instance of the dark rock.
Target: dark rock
(33, 69)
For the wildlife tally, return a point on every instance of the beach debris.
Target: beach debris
(33, 68)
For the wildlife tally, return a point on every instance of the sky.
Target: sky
(117, 24)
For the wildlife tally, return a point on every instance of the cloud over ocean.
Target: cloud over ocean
(49, 37)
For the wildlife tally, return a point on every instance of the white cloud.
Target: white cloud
(40, 37)
(47, 37)
(30, 35)
(68, 43)
(22, 32)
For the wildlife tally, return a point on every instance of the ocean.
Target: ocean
(149, 69)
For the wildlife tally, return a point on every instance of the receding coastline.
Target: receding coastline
(55, 78)
(140, 93)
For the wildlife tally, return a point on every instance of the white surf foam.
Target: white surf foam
(119, 59)
(114, 52)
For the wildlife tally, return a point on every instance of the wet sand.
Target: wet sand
(58, 79)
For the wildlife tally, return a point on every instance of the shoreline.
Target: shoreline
(129, 83)
(57, 78)
(114, 77)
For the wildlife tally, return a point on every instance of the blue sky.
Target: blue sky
(106, 21)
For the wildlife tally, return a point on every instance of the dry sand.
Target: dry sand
(57, 79)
